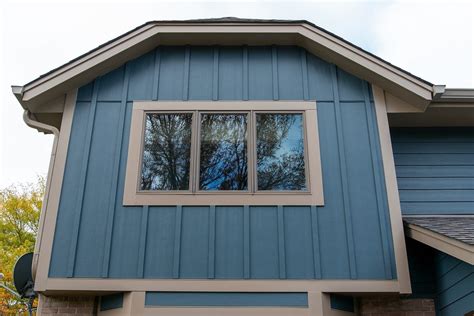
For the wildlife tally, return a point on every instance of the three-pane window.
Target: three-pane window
(246, 151)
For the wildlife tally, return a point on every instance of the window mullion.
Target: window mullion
(195, 140)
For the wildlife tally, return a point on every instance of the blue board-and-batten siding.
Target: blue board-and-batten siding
(348, 238)
(435, 169)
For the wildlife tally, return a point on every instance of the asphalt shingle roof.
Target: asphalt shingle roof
(460, 228)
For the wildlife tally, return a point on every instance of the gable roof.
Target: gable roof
(224, 31)
(453, 235)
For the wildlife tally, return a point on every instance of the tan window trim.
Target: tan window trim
(193, 196)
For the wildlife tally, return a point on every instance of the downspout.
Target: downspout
(31, 121)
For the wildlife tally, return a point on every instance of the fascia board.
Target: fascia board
(144, 39)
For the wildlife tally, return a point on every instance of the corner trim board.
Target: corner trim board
(51, 211)
(393, 197)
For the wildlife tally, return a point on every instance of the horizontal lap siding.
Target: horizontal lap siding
(349, 237)
(454, 285)
(447, 280)
(435, 169)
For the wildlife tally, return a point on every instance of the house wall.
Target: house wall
(435, 169)
(447, 280)
(348, 238)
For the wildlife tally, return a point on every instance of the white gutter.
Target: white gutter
(29, 119)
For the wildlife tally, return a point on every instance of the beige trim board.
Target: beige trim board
(65, 285)
(396, 222)
(452, 247)
(313, 196)
(228, 311)
(147, 37)
(318, 305)
(44, 244)
(434, 117)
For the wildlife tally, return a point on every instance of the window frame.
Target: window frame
(312, 195)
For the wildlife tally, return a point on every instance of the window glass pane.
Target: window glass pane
(280, 152)
(166, 152)
(223, 152)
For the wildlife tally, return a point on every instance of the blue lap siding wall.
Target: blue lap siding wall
(448, 280)
(348, 238)
(435, 169)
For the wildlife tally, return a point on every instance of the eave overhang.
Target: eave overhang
(227, 31)
(444, 239)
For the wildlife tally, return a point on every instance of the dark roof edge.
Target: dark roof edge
(224, 20)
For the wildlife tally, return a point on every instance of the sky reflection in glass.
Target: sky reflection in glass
(223, 152)
(166, 152)
(280, 152)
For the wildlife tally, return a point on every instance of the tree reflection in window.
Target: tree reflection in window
(280, 152)
(223, 152)
(167, 151)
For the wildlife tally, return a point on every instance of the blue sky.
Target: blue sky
(432, 39)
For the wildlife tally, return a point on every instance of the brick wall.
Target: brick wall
(67, 305)
(396, 306)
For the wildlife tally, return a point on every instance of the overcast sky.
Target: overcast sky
(431, 39)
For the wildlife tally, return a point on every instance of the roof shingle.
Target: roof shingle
(460, 228)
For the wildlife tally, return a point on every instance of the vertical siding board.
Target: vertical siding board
(229, 242)
(201, 73)
(290, 73)
(332, 233)
(212, 242)
(260, 73)
(281, 243)
(215, 75)
(304, 71)
(142, 244)
(350, 88)
(141, 77)
(114, 179)
(275, 72)
(298, 246)
(110, 88)
(319, 74)
(187, 54)
(156, 74)
(246, 232)
(378, 177)
(362, 193)
(245, 76)
(96, 195)
(230, 73)
(125, 231)
(315, 242)
(160, 245)
(194, 257)
(171, 73)
(177, 241)
(343, 167)
(264, 245)
(82, 183)
(69, 190)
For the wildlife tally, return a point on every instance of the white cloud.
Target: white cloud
(433, 41)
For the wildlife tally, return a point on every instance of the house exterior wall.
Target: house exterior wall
(454, 285)
(435, 169)
(347, 238)
(441, 277)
